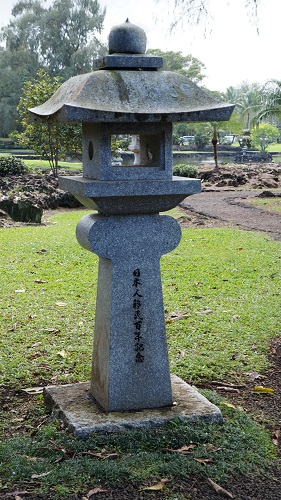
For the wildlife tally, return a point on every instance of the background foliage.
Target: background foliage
(62, 39)
(50, 140)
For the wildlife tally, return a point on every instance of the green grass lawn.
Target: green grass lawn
(222, 297)
(225, 282)
(270, 204)
(44, 165)
(274, 147)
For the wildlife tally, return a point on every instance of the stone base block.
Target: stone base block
(73, 404)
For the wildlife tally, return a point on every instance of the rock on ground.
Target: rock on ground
(24, 197)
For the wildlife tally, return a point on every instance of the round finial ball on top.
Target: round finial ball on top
(127, 38)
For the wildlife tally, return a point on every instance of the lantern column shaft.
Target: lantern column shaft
(130, 361)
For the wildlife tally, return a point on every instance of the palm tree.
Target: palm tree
(271, 100)
(249, 102)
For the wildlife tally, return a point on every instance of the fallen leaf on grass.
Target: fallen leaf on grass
(156, 487)
(37, 476)
(40, 281)
(225, 384)
(184, 450)
(33, 355)
(14, 327)
(35, 345)
(175, 316)
(254, 375)
(227, 404)
(262, 390)
(95, 491)
(28, 427)
(206, 311)
(219, 489)
(44, 366)
(204, 461)
(33, 390)
(103, 454)
(62, 353)
(228, 389)
(33, 459)
(276, 436)
(51, 330)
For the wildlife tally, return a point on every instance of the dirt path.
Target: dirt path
(233, 208)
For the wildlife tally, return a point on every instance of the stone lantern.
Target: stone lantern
(129, 95)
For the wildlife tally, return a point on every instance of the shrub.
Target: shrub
(10, 165)
(201, 140)
(263, 134)
(184, 170)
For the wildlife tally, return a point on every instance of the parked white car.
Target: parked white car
(187, 139)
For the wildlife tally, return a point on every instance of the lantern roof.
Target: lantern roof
(129, 87)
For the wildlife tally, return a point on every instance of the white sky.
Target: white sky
(232, 52)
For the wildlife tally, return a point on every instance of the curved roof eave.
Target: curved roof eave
(120, 96)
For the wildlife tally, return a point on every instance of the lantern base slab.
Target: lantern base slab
(74, 405)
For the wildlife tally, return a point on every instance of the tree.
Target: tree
(271, 100)
(51, 141)
(249, 102)
(69, 42)
(247, 98)
(201, 140)
(262, 135)
(186, 65)
(62, 38)
(15, 69)
(195, 11)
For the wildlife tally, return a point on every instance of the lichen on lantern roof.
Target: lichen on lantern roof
(158, 95)
(129, 87)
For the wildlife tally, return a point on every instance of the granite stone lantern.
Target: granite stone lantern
(129, 95)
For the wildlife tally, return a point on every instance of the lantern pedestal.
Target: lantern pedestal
(74, 404)
(130, 359)
(131, 386)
